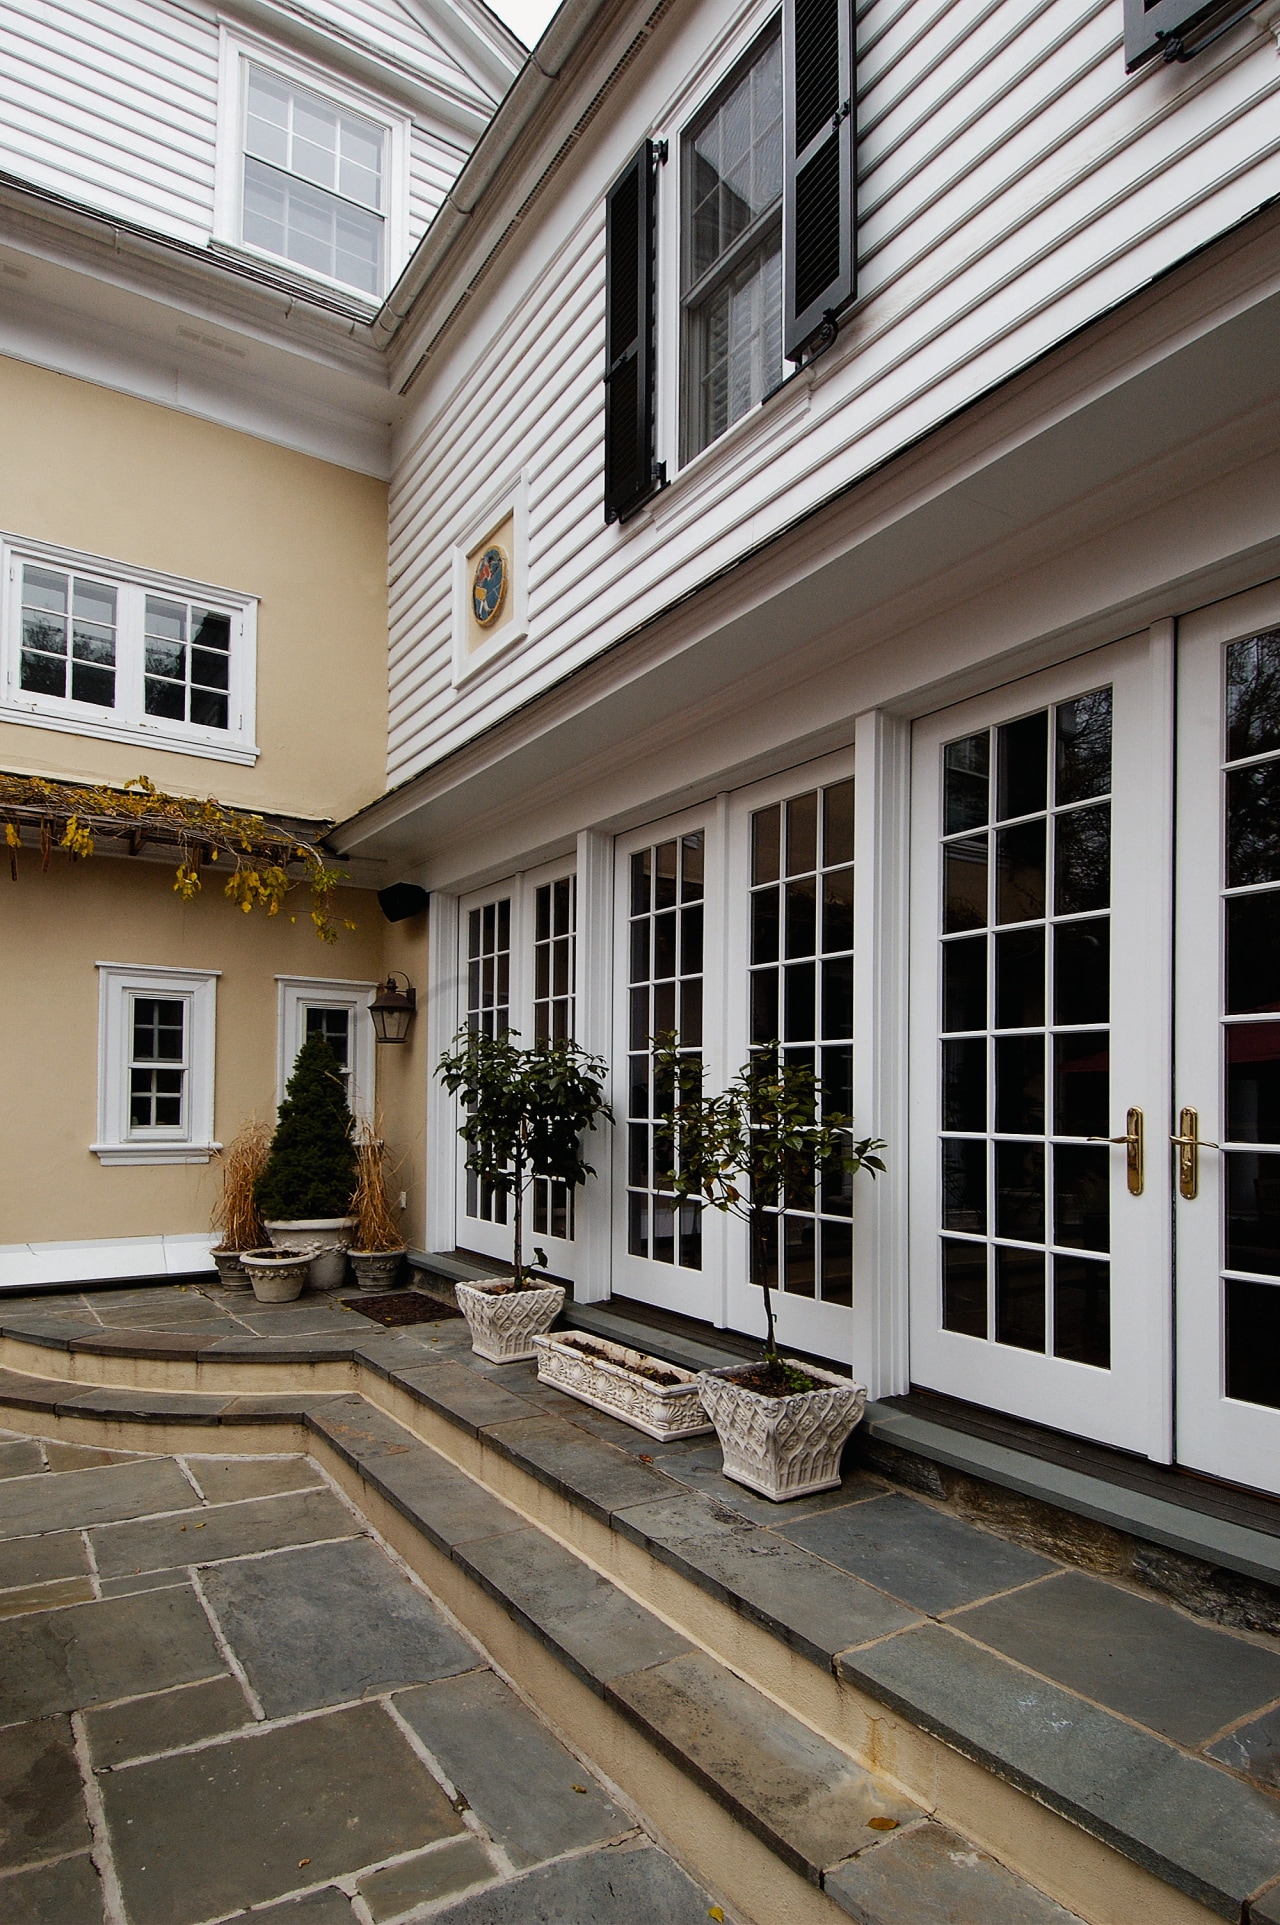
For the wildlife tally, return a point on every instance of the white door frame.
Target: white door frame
(1129, 1405)
(1223, 1436)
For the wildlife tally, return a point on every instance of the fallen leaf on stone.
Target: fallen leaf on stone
(302, 1862)
(581, 1788)
(713, 1911)
(883, 1824)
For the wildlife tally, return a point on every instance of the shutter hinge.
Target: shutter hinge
(842, 113)
(660, 151)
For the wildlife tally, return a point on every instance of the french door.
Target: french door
(517, 971)
(1227, 1101)
(1040, 1027)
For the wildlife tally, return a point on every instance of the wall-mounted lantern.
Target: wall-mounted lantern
(392, 1009)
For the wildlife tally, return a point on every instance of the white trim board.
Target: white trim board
(102, 1260)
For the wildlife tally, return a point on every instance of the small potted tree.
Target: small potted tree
(305, 1190)
(525, 1112)
(236, 1212)
(378, 1246)
(781, 1424)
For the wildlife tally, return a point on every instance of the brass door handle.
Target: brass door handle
(1135, 1171)
(1189, 1144)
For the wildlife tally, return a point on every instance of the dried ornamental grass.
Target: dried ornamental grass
(236, 1213)
(377, 1227)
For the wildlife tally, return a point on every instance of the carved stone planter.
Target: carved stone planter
(376, 1269)
(504, 1323)
(232, 1274)
(782, 1447)
(277, 1275)
(613, 1383)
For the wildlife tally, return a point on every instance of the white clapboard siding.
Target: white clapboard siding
(114, 103)
(1014, 183)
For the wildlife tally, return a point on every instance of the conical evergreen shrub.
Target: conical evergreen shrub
(311, 1170)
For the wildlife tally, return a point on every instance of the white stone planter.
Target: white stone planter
(376, 1269)
(277, 1275)
(232, 1274)
(783, 1446)
(504, 1325)
(330, 1238)
(613, 1383)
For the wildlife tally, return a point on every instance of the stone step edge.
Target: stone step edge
(846, 1672)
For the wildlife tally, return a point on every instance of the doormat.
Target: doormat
(401, 1307)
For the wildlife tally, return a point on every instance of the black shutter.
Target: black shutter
(1154, 27)
(630, 473)
(819, 205)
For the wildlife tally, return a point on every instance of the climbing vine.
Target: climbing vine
(266, 861)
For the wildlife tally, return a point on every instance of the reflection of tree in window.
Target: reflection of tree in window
(157, 1066)
(554, 978)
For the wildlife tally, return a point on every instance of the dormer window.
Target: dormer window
(314, 183)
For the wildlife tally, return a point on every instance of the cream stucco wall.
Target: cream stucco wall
(99, 471)
(53, 928)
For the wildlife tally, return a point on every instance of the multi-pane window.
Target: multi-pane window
(188, 662)
(158, 1063)
(101, 649)
(665, 931)
(554, 983)
(1025, 1050)
(1251, 1021)
(732, 275)
(68, 636)
(314, 187)
(323, 1019)
(488, 1013)
(802, 1001)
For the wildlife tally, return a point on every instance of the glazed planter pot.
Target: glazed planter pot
(783, 1447)
(376, 1269)
(610, 1377)
(232, 1274)
(277, 1275)
(330, 1238)
(504, 1323)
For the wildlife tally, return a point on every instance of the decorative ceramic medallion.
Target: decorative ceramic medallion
(489, 586)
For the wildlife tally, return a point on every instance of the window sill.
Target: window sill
(790, 396)
(245, 753)
(300, 280)
(133, 1154)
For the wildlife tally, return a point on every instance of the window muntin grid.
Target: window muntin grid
(555, 917)
(489, 1013)
(68, 636)
(157, 1063)
(665, 938)
(1025, 1051)
(313, 182)
(187, 660)
(733, 249)
(801, 994)
(323, 1019)
(1251, 1020)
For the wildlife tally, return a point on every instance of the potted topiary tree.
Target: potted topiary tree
(378, 1245)
(782, 1425)
(525, 1112)
(236, 1213)
(305, 1191)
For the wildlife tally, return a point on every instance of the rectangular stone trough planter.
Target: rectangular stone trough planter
(614, 1382)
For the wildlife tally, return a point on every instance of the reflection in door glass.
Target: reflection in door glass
(554, 984)
(489, 1013)
(802, 998)
(1025, 1048)
(665, 999)
(1251, 1042)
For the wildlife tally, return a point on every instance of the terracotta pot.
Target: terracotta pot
(232, 1274)
(376, 1269)
(613, 1383)
(277, 1275)
(783, 1446)
(330, 1238)
(504, 1324)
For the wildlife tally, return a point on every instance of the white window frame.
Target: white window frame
(128, 721)
(295, 996)
(510, 502)
(238, 51)
(119, 1141)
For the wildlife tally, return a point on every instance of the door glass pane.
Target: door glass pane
(555, 918)
(801, 995)
(489, 1013)
(666, 930)
(1251, 1043)
(1025, 976)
